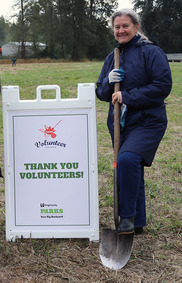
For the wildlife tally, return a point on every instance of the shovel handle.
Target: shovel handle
(116, 141)
(116, 111)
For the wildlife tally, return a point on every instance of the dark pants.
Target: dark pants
(132, 190)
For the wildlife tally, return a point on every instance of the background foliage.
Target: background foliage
(77, 29)
(162, 22)
(71, 29)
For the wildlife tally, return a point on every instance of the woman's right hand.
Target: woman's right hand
(116, 76)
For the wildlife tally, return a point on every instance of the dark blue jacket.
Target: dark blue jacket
(147, 82)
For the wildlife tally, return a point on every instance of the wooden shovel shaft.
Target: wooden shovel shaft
(116, 111)
(116, 141)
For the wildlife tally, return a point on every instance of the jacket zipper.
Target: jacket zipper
(122, 63)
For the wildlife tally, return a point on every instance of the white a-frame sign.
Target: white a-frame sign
(51, 177)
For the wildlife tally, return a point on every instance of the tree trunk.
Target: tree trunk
(22, 31)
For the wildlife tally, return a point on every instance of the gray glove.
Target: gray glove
(116, 76)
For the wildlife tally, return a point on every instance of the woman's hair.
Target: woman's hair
(135, 18)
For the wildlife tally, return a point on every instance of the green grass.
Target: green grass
(163, 179)
(66, 75)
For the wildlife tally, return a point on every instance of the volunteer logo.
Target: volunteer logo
(49, 131)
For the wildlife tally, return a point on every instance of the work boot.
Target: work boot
(138, 230)
(126, 226)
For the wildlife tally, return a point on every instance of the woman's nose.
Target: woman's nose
(121, 29)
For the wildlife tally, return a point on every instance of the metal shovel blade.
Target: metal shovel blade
(115, 250)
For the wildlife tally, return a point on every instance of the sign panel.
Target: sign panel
(51, 161)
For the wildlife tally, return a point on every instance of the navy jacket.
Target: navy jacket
(147, 82)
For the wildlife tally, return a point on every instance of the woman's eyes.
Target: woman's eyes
(124, 26)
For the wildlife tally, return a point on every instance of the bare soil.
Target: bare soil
(155, 258)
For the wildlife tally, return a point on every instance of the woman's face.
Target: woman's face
(124, 29)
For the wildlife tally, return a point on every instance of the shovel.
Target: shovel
(115, 250)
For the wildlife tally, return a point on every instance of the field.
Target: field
(157, 254)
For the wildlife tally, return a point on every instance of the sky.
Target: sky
(6, 6)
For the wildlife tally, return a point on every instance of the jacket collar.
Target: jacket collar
(133, 41)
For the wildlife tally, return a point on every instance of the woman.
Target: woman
(145, 81)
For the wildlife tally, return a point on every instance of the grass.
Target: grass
(163, 180)
(165, 177)
(66, 75)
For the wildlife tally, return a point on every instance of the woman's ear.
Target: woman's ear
(137, 27)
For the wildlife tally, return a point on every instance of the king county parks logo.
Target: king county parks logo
(50, 212)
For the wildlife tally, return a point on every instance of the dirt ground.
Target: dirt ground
(155, 258)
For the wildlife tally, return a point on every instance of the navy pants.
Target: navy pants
(130, 174)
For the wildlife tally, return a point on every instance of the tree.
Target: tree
(72, 29)
(72, 24)
(48, 19)
(162, 22)
(63, 27)
(4, 31)
(102, 39)
(20, 27)
(83, 28)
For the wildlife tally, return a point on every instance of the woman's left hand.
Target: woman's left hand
(117, 96)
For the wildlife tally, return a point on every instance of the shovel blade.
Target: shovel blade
(115, 250)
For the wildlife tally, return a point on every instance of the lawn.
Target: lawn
(156, 255)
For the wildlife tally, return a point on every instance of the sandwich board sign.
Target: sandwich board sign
(51, 175)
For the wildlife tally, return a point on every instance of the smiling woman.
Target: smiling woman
(143, 88)
(124, 29)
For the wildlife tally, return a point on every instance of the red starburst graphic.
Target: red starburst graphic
(49, 131)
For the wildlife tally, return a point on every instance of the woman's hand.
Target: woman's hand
(117, 96)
